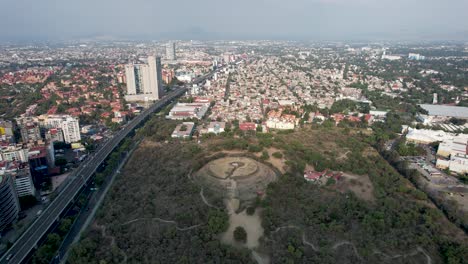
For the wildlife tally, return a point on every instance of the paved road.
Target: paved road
(30, 238)
(87, 214)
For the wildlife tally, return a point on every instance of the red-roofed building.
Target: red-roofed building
(312, 175)
(247, 126)
(52, 111)
(338, 118)
(354, 118)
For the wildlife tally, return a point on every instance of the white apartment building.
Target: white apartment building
(144, 81)
(23, 182)
(14, 153)
(170, 51)
(69, 125)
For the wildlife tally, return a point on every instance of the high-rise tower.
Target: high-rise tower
(144, 81)
(170, 51)
(155, 70)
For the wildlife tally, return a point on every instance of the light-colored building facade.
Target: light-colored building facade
(14, 153)
(23, 182)
(184, 130)
(216, 127)
(457, 163)
(130, 78)
(170, 51)
(144, 81)
(188, 110)
(29, 129)
(69, 125)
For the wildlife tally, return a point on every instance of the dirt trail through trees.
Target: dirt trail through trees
(112, 239)
(163, 221)
(344, 242)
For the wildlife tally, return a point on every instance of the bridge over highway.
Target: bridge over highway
(75, 182)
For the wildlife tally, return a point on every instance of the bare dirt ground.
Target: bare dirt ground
(236, 177)
(358, 184)
(252, 225)
(278, 163)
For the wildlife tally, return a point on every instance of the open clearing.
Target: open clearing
(360, 185)
(236, 177)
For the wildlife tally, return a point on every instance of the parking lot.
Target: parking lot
(438, 181)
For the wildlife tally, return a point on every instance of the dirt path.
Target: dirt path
(205, 201)
(112, 238)
(304, 240)
(344, 242)
(162, 221)
(412, 253)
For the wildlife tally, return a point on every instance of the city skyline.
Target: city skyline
(297, 20)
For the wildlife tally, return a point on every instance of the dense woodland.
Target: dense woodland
(154, 213)
(400, 219)
(171, 222)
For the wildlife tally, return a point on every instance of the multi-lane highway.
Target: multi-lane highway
(31, 237)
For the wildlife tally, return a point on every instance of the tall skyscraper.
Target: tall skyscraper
(155, 76)
(144, 81)
(143, 77)
(9, 204)
(170, 51)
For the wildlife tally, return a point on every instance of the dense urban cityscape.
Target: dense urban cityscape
(302, 131)
(405, 102)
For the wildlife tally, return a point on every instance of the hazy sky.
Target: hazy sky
(248, 19)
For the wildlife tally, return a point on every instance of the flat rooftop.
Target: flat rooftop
(446, 110)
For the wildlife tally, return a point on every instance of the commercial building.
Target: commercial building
(184, 130)
(9, 204)
(452, 152)
(278, 120)
(6, 128)
(415, 56)
(144, 81)
(130, 78)
(54, 135)
(216, 127)
(446, 110)
(69, 126)
(170, 51)
(457, 163)
(453, 145)
(390, 57)
(168, 76)
(41, 158)
(29, 129)
(13, 152)
(188, 110)
(23, 182)
(21, 176)
(425, 136)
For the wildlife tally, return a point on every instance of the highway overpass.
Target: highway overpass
(75, 182)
